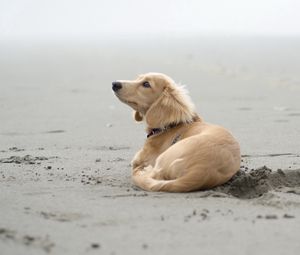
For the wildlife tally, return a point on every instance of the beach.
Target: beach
(66, 143)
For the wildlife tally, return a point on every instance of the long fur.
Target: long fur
(205, 156)
(173, 106)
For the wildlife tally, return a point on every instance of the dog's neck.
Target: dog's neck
(156, 131)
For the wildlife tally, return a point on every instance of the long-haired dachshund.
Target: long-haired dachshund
(182, 152)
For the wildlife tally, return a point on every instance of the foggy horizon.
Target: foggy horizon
(94, 20)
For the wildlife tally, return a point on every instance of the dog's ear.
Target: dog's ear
(137, 116)
(173, 107)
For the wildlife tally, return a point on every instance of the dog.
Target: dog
(182, 152)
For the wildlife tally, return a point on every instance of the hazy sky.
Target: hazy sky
(62, 19)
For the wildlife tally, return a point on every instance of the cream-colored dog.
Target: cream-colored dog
(182, 152)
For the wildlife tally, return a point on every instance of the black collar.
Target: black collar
(155, 131)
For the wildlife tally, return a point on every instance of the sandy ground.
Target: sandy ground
(66, 144)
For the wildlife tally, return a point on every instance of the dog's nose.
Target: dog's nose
(116, 85)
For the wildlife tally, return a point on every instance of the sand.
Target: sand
(66, 144)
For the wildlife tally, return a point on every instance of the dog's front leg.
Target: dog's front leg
(141, 162)
(137, 169)
(137, 163)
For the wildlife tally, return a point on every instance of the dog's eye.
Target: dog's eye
(146, 84)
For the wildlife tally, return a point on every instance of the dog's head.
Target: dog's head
(156, 98)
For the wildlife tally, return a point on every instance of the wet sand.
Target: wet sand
(67, 142)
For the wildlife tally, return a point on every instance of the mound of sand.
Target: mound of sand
(259, 181)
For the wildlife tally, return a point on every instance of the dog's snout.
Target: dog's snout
(116, 85)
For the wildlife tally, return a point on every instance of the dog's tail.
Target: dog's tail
(181, 184)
